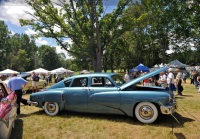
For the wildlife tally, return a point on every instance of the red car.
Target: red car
(8, 111)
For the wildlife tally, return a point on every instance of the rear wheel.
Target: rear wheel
(51, 108)
(146, 112)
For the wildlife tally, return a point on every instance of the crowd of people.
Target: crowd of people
(171, 79)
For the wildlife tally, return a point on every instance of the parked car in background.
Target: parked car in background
(41, 83)
(107, 94)
(8, 111)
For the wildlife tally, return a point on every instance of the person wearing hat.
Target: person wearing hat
(15, 84)
(170, 79)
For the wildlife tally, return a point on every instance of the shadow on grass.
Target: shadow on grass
(163, 120)
(170, 121)
(183, 96)
(179, 136)
(17, 131)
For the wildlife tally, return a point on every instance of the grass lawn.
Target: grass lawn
(35, 124)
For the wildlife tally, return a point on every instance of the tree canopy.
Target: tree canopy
(84, 21)
(134, 32)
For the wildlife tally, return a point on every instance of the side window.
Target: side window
(101, 82)
(97, 82)
(67, 83)
(108, 83)
(80, 82)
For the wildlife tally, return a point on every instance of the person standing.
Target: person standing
(195, 75)
(163, 80)
(191, 77)
(170, 79)
(16, 84)
(179, 78)
(126, 77)
(185, 75)
(35, 80)
(198, 80)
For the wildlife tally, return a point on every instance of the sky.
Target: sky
(12, 10)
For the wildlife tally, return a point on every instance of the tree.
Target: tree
(84, 21)
(4, 44)
(20, 62)
(48, 58)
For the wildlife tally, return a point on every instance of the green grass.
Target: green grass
(35, 124)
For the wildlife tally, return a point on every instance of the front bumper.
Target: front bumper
(169, 108)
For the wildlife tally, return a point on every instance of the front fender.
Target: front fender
(130, 99)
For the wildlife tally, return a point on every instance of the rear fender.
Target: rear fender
(49, 96)
(55, 97)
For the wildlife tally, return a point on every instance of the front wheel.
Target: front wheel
(146, 112)
(51, 108)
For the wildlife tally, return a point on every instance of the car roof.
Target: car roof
(94, 74)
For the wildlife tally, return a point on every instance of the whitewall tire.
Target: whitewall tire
(146, 112)
(51, 108)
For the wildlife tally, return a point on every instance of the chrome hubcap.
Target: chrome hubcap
(51, 107)
(146, 112)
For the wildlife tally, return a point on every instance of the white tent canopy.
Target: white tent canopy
(40, 71)
(8, 72)
(61, 70)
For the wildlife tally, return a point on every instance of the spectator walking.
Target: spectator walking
(16, 84)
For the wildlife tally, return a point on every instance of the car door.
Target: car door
(76, 96)
(107, 102)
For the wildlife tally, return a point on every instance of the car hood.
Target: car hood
(141, 78)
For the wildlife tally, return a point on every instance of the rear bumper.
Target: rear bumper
(32, 103)
(169, 109)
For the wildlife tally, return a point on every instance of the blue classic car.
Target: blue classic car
(106, 93)
(8, 111)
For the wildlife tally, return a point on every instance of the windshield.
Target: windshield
(118, 79)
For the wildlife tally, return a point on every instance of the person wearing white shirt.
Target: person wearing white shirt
(126, 77)
(163, 80)
(170, 79)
